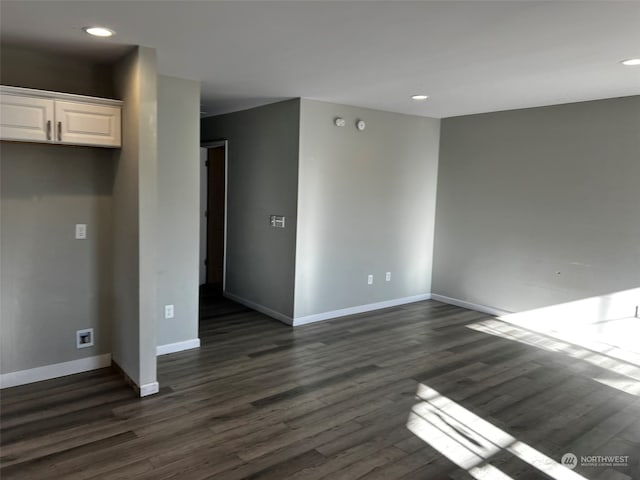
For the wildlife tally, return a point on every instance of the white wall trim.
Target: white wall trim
(260, 308)
(178, 346)
(47, 372)
(149, 389)
(318, 317)
(469, 305)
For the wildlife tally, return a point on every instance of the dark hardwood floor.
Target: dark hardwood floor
(376, 396)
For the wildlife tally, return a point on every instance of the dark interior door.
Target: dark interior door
(215, 216)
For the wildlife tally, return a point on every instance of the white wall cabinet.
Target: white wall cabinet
(39, 116)
(26, 118)
(87, 124)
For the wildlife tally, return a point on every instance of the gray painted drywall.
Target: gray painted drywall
(262, 180)
(178, 207)
(539, 206)
(126, 268)
(366, 205)
(24, 67)
(134, 209)
(51, 284)
(148, 203)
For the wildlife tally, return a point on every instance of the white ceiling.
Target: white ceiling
(469, 57)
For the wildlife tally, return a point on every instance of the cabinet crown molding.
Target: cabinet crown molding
(71, 97)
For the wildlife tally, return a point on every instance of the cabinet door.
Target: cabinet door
(87, 124)
(26, 118)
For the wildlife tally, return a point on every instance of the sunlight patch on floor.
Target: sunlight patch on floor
(470, 442)
(625, 376)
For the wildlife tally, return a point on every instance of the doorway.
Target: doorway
(213, 230)
(214, 218)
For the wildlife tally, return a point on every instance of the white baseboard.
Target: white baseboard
(178, 346)
(260, 308)
(318, 317)
(56, 370)
(469, 305)
(149, 389)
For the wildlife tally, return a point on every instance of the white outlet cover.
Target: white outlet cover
(387, 276)
(169, 311)
(369, 279)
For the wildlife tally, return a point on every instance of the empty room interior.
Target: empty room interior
(319, 240)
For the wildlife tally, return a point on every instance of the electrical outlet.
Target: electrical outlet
(387, 277)
(369, 279)
(81, 231)
(168, 311)
(84, 338)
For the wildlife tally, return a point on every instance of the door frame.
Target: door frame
(215, 144)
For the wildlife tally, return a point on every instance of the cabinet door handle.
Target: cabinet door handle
(59, 131)
(48, 129)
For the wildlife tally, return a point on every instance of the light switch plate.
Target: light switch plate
(81, 231)
(277, 221)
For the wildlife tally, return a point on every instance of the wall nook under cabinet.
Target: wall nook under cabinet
(59, 118)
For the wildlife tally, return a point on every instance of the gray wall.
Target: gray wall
(23, 67)
(178, 207)
(134, 210)
(539, 206)
(262, 180)
(148, 204)
(51, 284)
(126, 307)
(366, 205)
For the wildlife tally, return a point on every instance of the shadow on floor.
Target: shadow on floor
(213, 306)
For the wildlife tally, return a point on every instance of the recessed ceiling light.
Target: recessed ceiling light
(419, 97)
(99, 31)
(631, 61)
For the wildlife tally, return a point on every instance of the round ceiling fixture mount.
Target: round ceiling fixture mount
(101, 32)
(339, 122)
(360, 125)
